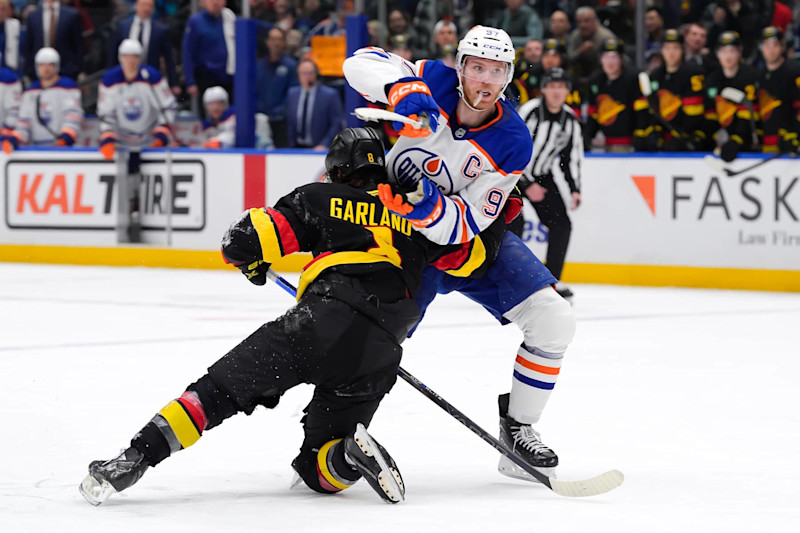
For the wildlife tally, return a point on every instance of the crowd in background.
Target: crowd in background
(192, 54)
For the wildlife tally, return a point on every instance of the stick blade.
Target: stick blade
(733, 94)
(714, 163)
(588, 487)
(644, 84)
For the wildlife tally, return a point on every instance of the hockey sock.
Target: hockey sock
(535, 375)
(177, 426)
(333, 469)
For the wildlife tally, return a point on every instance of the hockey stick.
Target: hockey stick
(50, 130)
(373, 114)
(739, 97)
(647, 92)
(718, 165)
(587, 487)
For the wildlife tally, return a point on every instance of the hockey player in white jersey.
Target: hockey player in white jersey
(10, 99)
(219, 126)
(50, 113)
(135, 104)
(453, 184)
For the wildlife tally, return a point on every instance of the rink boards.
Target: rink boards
(658, 221)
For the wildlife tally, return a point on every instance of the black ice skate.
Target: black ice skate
(115, 475)
(525, 442)
(376, 465)
(565, 292)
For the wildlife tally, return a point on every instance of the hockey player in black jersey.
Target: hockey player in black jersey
(354, 308)
(778, 96)
(677, 98)
(616, 105)
(734, 120)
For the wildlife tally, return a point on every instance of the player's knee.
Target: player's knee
(326, 470)
(546, 320)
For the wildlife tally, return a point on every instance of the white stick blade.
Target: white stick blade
(374, 114)
(589, 487)
(714, 163)
(644, 84)
(733, 94)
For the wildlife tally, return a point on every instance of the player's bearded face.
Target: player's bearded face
(482, 81)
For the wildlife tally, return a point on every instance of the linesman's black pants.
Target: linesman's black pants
(553, 213)
(336, 346)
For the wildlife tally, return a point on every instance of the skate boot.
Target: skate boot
(374, 463)
(525, 442)
(115, 475)
(564, 291)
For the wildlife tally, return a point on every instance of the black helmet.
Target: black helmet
(729, 38)
(351, 150)
(771, 32)
(555, 74)
(672, 36)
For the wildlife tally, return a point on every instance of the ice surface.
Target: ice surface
(693, 394)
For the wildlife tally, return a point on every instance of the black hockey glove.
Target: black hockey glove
(241, 248)
(729, 150)
(255, 272)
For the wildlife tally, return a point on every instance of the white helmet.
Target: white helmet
(490, 43)
(48, 55)
(215, 94)
(130, 47)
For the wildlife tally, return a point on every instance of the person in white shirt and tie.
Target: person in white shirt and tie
(314, 111)
(154, 38)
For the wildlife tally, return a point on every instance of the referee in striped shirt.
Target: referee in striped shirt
(557, 140)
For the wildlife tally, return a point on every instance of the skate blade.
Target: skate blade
(508, 468)
(95, 492)
(389, 478)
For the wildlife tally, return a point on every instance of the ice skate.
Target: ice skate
(376, 465)
(115, 475)
(527, 443)
(564, 291)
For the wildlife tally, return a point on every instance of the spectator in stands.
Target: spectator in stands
(209, 43)
(399, 24)
(399, 45)
(275, 74)
(746, 17)
(50, 113)
(10, 98)
(695, 50)
(294, 43)
(459, 12)
(219, 126)
(282, 15)
(521, 22)
(311, 14)
(334, 25)
(9, 36)
(654, 25)
(154, 38)
(445, 39)
(532, 53)
(558, 26)
(778, 96)
(779, 15)
(315, 113)
(56, 26)
(584, 42)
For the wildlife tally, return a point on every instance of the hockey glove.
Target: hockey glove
(160, 137)
(412, 97)
(212, 143)
(65, 139)
(423, 207)
(729, 150)
(241, 248)
(107, 147)
(10, 140)
(255, 272)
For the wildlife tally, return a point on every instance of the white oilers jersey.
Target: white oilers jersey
(476, 168)
(132, 110)
(10, 98)
(224, 131)
(47, 113)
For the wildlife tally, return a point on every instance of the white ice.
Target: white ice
(693, 394)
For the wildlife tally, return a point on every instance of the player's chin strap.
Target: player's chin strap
(587, 487)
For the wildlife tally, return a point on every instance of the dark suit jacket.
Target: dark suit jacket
(327, 115)
(69, 42)
(158, 47)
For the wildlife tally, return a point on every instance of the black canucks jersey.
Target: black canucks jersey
(617, 108)
(779, 105)
(678, 97)
(721, 113)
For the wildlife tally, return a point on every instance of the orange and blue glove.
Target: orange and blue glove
(160, 137)
(423, 207)
(412, 98)
(65, 139)
(107, 147)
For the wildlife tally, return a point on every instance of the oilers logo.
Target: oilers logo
(132, 108)
(411, 164)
